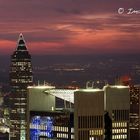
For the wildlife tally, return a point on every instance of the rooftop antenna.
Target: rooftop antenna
(88, 83)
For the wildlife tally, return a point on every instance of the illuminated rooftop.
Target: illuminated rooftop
(64, 94)
(90, 90)
(42, 87)
(68, 94)
(116, 86)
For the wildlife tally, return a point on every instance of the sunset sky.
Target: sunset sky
(70, 26)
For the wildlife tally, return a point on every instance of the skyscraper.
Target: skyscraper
(134, 115)
(134, 112)
(102, 114)
(20, 77)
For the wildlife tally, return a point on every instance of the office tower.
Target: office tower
(117, 105)
(134, 112)
(102, 114)
(20, 77)
(44, 119)
(89, 114)
(134, 107)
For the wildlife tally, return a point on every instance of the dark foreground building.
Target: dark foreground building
(20, 78)
(4, 136)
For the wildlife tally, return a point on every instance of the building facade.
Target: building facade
(102, 114)
(134, 106)
(44, 119)
(52, 125)
(20, 77)
(89, 114)
(134, 112)
(117, 105)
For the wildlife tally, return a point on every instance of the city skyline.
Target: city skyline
(71, 27)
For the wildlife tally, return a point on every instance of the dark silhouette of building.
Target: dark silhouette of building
(134, 112)
(20, 78)
(108, 126)
(4, 136)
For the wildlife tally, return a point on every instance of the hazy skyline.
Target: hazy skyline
(70, 26)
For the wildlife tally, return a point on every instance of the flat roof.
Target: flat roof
(116, 86)
(41, 87)
(68, 94)
(64, 94)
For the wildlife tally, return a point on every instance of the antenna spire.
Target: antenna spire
(21, 46)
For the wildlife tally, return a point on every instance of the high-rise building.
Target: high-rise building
(45, 119)
(134, 107)
(134, 112)
(102, 114)
(20, 77)
(117, 104)
(89, 114)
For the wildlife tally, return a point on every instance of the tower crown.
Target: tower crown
(21, 46)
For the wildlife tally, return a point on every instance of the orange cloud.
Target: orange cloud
(45, 47)
(7, 47)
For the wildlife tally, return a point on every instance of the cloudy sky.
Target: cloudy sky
(71, 26)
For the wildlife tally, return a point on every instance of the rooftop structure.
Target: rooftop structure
(68, 94)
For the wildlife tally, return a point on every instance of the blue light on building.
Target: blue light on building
(41, 126)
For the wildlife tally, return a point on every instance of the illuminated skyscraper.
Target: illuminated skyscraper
(134, 112)
(20, 78)
(134, 123)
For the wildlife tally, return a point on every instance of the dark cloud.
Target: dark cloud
(65, 21)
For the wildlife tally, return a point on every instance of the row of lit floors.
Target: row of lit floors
(37, 132)
(63, 132)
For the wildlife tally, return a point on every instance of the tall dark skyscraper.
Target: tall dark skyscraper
(20, 78)
(134, 116)
(134, 112)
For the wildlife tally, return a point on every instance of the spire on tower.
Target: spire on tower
(21, 36)
(21, 46)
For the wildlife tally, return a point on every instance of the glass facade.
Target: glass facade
(41, 126)
(51, 125)
(20, 78)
